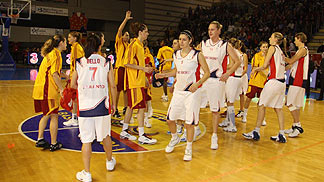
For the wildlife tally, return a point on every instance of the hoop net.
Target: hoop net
(14, 18)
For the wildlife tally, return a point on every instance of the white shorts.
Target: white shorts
(185, 106)
(215, 93)
(233, 89)
(295, 96)
(273, 94)
(94, 128)
(245, 84)
(204, 100)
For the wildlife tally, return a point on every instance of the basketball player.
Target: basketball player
(257, 80)
(273, 92)
(135, 83)
(76, 54)
(216, 52)
(297, 83)
(121, 46)
(244, 79)
(185, 103)
(165, 53)
(233, 87)
(92, 76)
(47, 90)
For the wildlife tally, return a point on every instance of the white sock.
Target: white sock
(125, 126)
(257, 129)
(189, 145)
(140, 131)
(214, 135)
(245, 111)
(40, 139)
(231, 114)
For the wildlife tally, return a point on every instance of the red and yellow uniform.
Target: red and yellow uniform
(120, 47)
(77, 52)
(135, 79)
(149, 62)
(46, 92)
(258, 79)
(164, 53)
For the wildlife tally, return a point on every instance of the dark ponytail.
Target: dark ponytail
(92, 45)
(51, 43)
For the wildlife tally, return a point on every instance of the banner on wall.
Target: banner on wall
(45, 31)
(51, 11)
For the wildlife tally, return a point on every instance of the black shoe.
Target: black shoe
(56, 146)
(124, 110)
(42, 143)
(117, 115)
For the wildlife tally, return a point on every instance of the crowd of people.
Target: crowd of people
(253, 24)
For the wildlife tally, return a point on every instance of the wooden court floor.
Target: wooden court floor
(237, 159)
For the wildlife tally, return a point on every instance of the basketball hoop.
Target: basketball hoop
(14, 18)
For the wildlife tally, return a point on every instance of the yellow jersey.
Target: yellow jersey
(135, 55)
(77, 52)
(120, 47)
(165, 52)
(259, 78)
(45, 87)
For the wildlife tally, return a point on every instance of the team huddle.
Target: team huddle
(213, 73)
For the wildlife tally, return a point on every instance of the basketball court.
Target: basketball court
(236, 159)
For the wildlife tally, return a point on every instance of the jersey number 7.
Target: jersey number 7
(94, 69)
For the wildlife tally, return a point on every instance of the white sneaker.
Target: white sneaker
(71, 122)
(183, 137)
(279, 138)
(188, 155)
(214, 144)
(252, 135)
(239, 114)
(84, 176)
(197, 133)
(173, 142)
(230, 128)
(164, 98)
(296, 131)
(288, 131)
(224, 123)
(146, 140)
(110, 165)
(126, 135)
(264, 123)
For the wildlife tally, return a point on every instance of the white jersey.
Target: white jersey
(277, 65)
(216, 57)
(299, 70)
(239, 71)
(188, 69)
(93, 94)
